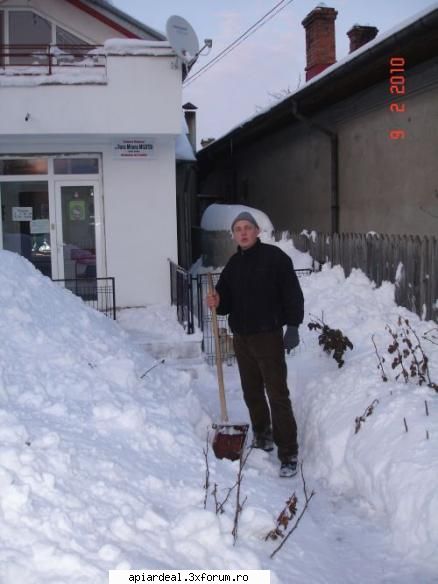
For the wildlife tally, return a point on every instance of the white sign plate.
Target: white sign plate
(22, 213)
(137, 149)
(39, 226)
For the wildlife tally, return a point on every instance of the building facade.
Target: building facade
(91, 108)
(354, 149)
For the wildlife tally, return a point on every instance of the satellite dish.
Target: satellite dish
(182, 38)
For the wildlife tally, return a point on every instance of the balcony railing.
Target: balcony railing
(50, 59)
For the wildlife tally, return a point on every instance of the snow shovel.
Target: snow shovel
(229, 439)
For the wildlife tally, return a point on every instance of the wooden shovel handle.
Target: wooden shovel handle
(220, 374)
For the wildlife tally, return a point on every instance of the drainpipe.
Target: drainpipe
(334, 173)
(233, 173)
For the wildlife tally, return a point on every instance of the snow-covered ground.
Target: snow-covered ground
(102, 465)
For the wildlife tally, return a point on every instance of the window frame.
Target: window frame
(54, 24)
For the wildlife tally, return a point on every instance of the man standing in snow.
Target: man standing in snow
(260, 292)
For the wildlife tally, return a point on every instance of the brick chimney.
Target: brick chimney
(360, 35)
(320, 40)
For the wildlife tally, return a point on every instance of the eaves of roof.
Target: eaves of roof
(417, 43)
(123, 17)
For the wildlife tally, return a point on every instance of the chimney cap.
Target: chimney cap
(362, 27)
(189, 106)
(320, 12)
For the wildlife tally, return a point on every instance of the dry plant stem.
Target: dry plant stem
(214, 493)
(400, 356)
(384, 376)
(239, 507)
(406, 424)
(427, 407)
(425, 359)
(418, 365)
(207, 472)
(369, 410)
(242, 462)
(287, 514)
(434, 339)
(306, 504)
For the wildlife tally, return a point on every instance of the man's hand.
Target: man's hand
(213, 300)
(291, 338)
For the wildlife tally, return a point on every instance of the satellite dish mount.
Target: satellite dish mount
(184, 41)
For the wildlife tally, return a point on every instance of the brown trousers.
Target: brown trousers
(262, 365)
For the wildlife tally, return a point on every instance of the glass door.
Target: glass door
(25, 222)
(78, 230)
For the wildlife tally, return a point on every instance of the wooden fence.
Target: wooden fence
(410, 262)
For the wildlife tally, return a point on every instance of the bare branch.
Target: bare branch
(379, 359)
(207, 471)
(306, 505)
(360, 419)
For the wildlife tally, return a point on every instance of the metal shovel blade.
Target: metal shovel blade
(229, 440)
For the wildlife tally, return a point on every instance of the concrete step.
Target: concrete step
(173, 349)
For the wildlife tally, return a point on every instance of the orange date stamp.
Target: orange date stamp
(397, 87)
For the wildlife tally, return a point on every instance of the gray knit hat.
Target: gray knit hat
(244, 216)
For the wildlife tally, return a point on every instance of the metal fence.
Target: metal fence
(43, 59)
(181, 293)
(99, 293)
(410, 262)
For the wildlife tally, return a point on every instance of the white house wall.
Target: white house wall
(139, 211)
(140, 224)
(142, 94)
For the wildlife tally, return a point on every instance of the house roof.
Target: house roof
(416, 39)
(137, 28)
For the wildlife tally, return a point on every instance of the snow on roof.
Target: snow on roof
(136, 47)
(350, 57)
(17, 77)
(219, 217)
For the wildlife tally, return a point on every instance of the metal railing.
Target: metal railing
(48, 59)
(181, 294)
(99, 293)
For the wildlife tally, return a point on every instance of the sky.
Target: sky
(270, 62)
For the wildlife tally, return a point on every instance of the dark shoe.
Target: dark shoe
(289, 468)
(264, 442)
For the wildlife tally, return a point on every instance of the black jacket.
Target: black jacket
(260, 291)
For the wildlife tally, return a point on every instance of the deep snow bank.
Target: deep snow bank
(394, 472)
(99, 469)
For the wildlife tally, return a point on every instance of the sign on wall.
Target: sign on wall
(22, 213)
(39, 226)
(134, 148)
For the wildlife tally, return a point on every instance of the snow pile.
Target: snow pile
(219, 217)
(393, 472)
(90, 453)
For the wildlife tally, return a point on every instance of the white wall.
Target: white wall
(143, 95)
(140, 224)
(139, 207)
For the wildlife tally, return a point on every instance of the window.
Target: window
(28, 28)
(23, 166)
(76, 165)
(63, 37)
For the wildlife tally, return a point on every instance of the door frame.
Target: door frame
(58, 255)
